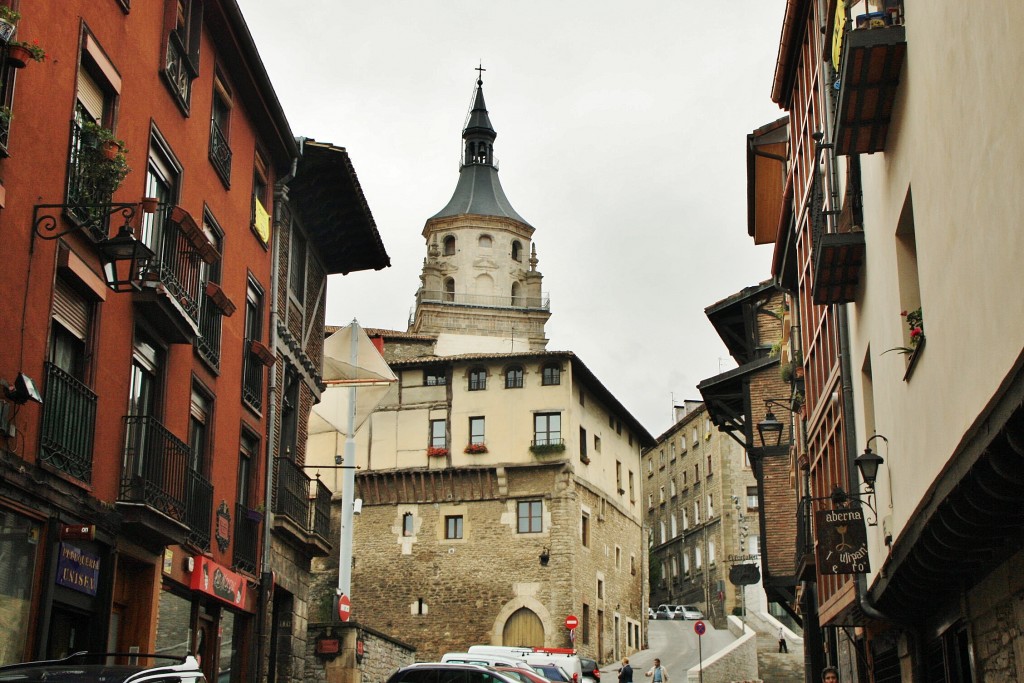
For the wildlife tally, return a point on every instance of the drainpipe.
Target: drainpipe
(263, 629)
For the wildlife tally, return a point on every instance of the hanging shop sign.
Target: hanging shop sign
(842, 541)
(744, 574)
(219, 581)
(77, 569)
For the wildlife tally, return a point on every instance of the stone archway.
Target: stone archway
(523, 629)
(521, 611)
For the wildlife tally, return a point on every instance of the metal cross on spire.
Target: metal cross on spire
(480, 75)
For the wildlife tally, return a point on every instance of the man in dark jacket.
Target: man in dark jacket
(625, 672)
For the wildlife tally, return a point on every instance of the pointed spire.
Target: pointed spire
(479, 190)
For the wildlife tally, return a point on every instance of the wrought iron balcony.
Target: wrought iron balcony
(542, 303)
(153, 493)
(208, 341)
(172, 281)
(302, 508)
(198, 510)
(178, 71)
(869, 73)
(252, 376)
(220, 153)
(247, 538)
(69, 421)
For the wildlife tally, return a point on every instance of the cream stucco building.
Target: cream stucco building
(500, 481)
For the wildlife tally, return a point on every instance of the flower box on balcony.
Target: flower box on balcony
(475, 448)
(547, 448)
(261, 351)
(220, 299)
(437, 452)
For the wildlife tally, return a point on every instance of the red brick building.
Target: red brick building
(139, 417)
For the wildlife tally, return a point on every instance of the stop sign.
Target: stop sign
(699, 627)
(344, 607)
(571, 621)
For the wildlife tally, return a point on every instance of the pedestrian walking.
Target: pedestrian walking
(625, 671)
(783, 647)
(830, 674)
(657, 672)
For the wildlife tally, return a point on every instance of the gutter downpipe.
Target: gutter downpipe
(263, 629)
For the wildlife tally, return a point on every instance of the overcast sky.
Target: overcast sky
(621, 138)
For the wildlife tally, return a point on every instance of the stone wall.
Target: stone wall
(737, 662)
(995, 610)
(382, 655)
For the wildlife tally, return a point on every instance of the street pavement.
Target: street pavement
(678, 647)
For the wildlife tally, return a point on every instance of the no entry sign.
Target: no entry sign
(344, 607)
(571, 621)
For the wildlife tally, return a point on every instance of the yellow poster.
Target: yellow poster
(837, 33)
(262, 222)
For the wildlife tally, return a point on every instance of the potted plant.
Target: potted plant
(915, 323)
(99, 175)
(8, 22)
(437, 452)
(546, 448)
(5, 117)
(19, 53)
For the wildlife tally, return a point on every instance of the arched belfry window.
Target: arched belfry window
(517, 250)
(449, 246)
(485, 241)
(449, 289)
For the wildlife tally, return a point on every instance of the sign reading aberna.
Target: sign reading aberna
(842, 541)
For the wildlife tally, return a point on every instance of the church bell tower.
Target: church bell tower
(480, 290)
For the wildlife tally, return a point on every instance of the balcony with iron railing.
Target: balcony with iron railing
(220, 152)
(69, 422)
(198, 510)
(179, 71)
(88, 189)
(208, 341)
(247, 538)
(302, 508)
(541, 303)
(872, 46)
(153, 495)
(252, 376)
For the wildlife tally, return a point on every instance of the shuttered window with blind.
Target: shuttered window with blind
(71, 310)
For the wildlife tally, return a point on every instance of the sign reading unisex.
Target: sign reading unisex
(78, 569)
(842, 541)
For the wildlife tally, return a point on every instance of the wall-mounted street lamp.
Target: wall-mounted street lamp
(769, 430)
(123, 256)
(868, 462)
(545, 557)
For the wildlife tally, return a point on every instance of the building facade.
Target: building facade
(886, 291)
(702, 508)
(499, 482)
(143, 164)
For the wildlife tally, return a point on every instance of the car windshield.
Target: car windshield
(550, 672)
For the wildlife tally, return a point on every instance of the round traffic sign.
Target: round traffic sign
(699, 627)
(344, 607)
(571, 621)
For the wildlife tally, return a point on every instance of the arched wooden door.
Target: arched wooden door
(523, 629)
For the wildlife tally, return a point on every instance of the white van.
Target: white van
(502, 651)
(483, 659)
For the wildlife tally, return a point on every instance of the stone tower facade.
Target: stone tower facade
(480, 279)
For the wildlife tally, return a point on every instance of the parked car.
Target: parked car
(522, 675)
(688, 612)
(433, 672)
(94, 667)
(552, 672)
(665, 612)
(591, 671)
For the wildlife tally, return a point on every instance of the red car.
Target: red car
(521, 675)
